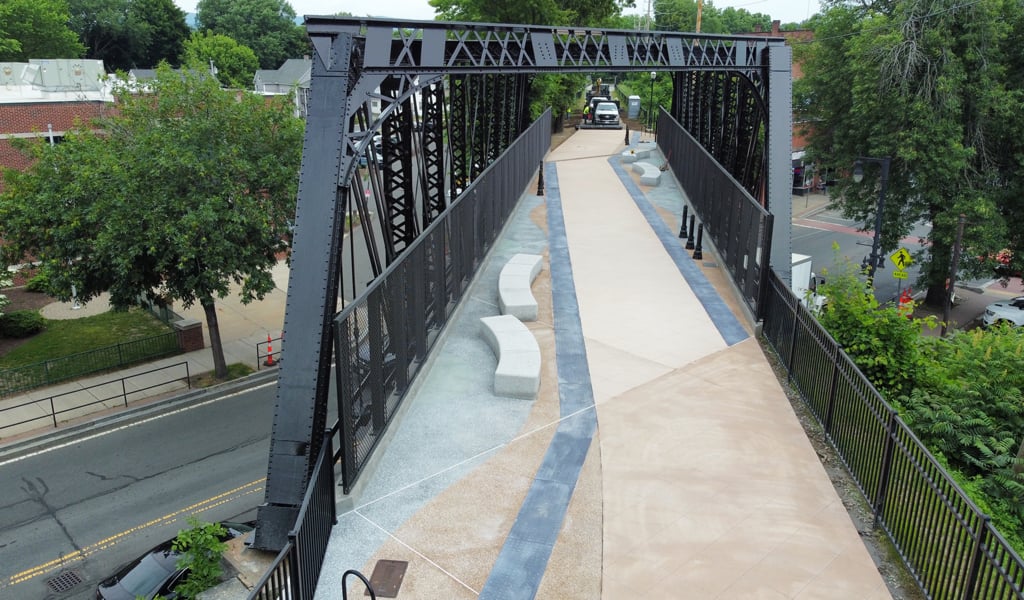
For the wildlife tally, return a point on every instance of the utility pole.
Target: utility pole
(700, 11)
(951, 282)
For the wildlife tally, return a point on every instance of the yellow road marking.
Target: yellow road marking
(78, 555)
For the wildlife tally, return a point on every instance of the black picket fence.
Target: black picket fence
(946, 541)
(49, 372)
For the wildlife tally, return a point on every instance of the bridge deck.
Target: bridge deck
(660, 459)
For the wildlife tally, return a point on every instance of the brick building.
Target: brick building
(44, 98)
(804, 177)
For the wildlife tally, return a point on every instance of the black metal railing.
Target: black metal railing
(947, 543)
(382, 338)
(75, 402)
(739, 227)
(295, 571)
(56, 370)
(268, 353)
(160, 311)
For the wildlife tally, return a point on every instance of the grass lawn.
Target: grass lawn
(65, 337)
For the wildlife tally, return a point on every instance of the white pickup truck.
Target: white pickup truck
(606, 113)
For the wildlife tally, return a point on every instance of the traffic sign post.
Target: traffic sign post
(902, 259)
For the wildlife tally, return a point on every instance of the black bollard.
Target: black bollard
(627, 136)
(540, 179)
(697, 252)
(682, 226)
(689, 237)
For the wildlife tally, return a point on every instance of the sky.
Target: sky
(787, 11)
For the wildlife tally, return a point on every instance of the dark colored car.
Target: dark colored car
(156, 572)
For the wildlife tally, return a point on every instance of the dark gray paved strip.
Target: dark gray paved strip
(517, 573)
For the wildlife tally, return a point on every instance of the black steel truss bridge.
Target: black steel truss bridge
(404, 116)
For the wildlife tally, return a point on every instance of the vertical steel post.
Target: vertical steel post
(698, 252)
(886, 467)
(689, 236)
(951, 283)
(682, 225)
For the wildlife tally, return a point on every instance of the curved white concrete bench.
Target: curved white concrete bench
(649, 174)
(518, 371)
(634, 154)
(514, 295)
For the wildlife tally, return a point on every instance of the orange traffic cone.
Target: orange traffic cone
(270, 354)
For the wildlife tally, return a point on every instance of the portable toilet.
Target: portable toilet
(633, 108)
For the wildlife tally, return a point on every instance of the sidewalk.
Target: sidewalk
(242, 327)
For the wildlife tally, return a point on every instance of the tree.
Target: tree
(266, 26)
(539, 12)
(926, 86)
(968, 407)
(36, 29)
(167, 32)
(234, 64)
(125, 34)
(185, 191)
(681, 15)
(559, 92)
(883, 343)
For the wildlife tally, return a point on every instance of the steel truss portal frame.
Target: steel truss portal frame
(447, 99)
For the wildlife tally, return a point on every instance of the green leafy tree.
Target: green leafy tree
(187, 190)
(882, 342)
(968, 405)
(167, 30)
(538, 12)
(926, 86)
(266, 26)
(560, 92)
(36, 29)
(681, 15)
(126, 34)
(234, 64)
(201, 550)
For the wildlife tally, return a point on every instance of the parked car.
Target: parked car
(156, 572)
(606, 113)
(1005, 311)
(362, 159)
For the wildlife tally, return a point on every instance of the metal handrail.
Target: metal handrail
(123, 395)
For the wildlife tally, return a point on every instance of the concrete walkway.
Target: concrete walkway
(660, 459)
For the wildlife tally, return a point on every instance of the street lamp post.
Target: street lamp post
(875, 259)
(650, 107)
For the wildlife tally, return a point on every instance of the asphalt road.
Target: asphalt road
(94, 504)
(815, 235)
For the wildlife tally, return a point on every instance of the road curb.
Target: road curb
(55, 437)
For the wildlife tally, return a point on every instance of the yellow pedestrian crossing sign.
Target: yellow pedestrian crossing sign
(901, 258)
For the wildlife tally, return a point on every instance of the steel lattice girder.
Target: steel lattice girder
(360, 62)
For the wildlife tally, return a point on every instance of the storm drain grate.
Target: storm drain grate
(65, 581)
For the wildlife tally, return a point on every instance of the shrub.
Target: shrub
(21, 324)
(201, 549)
(39, 283)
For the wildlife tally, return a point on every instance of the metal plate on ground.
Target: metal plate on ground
(64, 582)
(387, 578)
